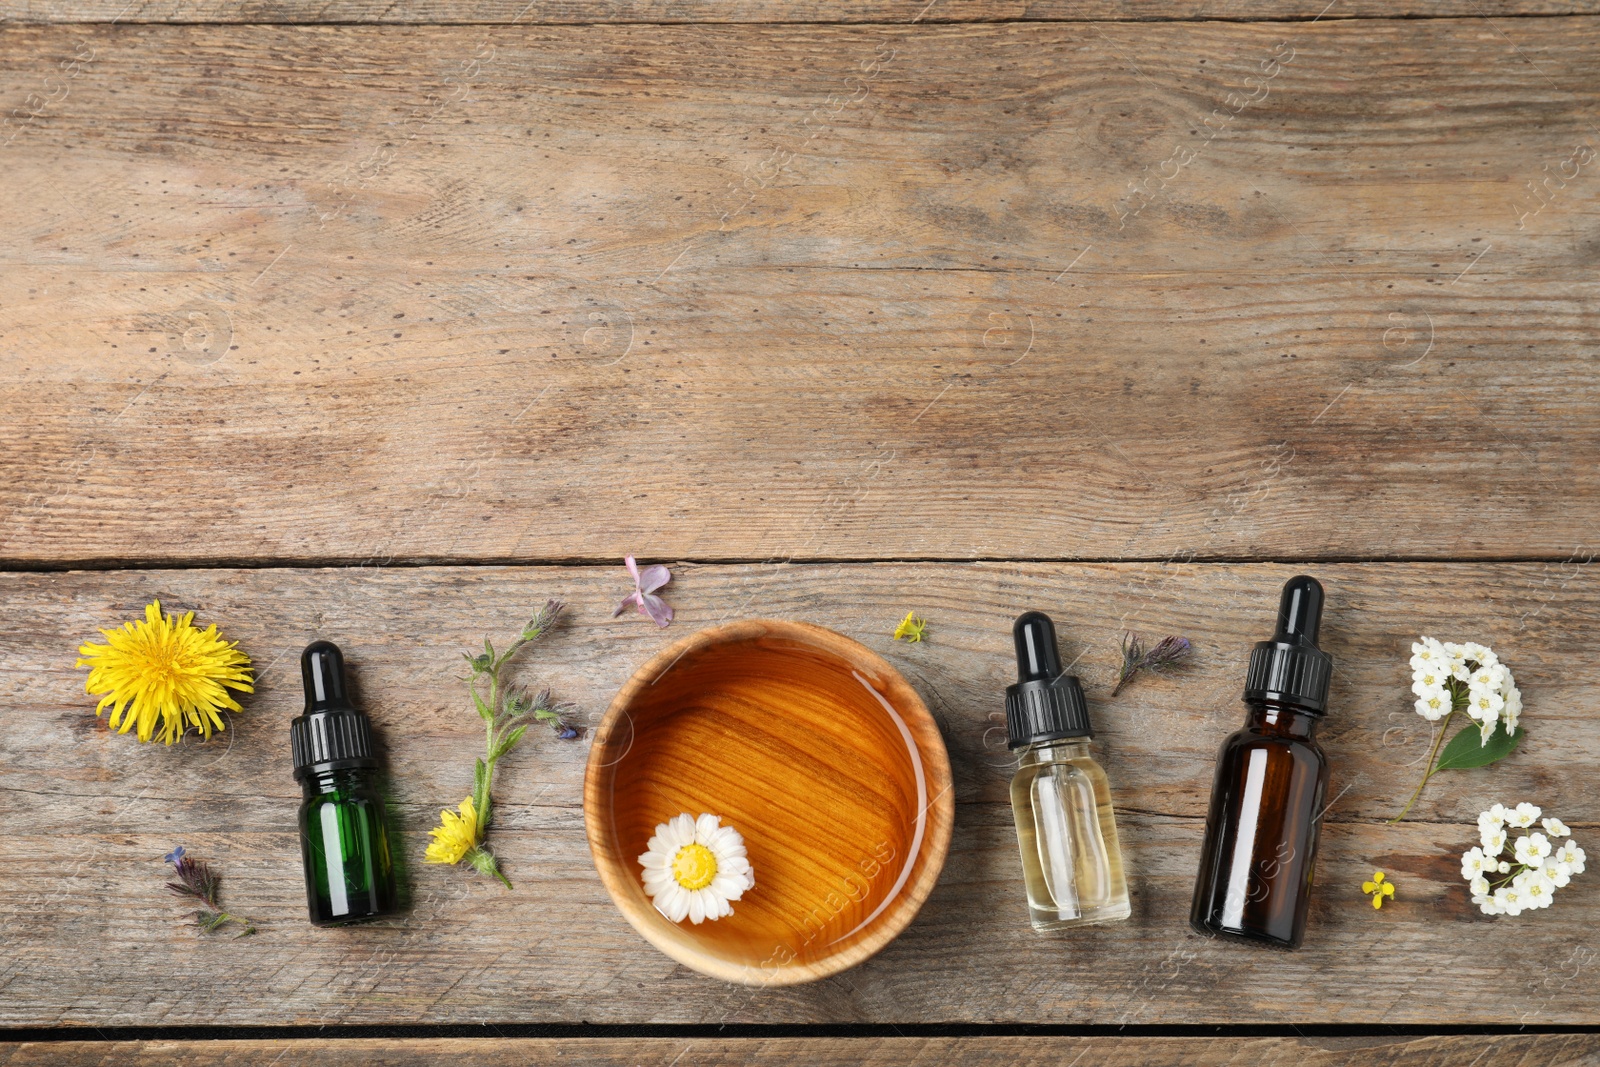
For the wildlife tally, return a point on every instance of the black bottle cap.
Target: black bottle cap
(331, 735)
(1044, 704)
(1290, 668)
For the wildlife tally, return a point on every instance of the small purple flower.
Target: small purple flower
(1168, 655)
(174, 856)
(645, 584)
(566, 731)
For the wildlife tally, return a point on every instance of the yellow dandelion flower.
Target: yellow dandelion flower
(911, 628)
(1379, 889)
(455, 836)
(165, 669)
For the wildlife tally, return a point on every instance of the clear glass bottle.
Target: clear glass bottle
(344, 839)
(1067, 833)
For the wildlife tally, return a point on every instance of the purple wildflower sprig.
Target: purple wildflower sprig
(197, 880)
(507, 710)
(645, 584)
(1168, 654)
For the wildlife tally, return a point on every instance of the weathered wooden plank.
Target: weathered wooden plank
(1554, 1050)
(559, 12)
(515, 12)
(494, 293)
(88, 935)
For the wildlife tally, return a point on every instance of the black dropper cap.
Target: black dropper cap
(331, 735)
(1290, 668)
(1044, 705)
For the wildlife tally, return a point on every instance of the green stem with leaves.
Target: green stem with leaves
(506, 715)
(1469, 748)
(1432, 766)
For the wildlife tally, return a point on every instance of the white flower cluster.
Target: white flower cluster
(1445, 675)
(1536, 869)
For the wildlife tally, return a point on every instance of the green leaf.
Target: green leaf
(484, 712)
(1467, 750)
(510, 740)
(480, 792)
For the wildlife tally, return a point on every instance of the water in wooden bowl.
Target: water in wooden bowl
(813, 748)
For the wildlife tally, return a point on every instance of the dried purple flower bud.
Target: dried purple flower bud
(195, 879)
(1168, 654)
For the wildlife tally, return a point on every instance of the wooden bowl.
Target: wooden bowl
(813, 748)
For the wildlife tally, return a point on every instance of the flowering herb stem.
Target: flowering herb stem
(507, 712)
(1167, 654)
(1530, 868)
(197, 880)
(1444, 728)
(1448, 678)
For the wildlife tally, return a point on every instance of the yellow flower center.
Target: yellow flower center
(694, 867)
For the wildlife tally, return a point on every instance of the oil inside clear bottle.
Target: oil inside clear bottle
(1071, 861)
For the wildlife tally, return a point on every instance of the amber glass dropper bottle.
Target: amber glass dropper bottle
(1260, 849)
(344, 838)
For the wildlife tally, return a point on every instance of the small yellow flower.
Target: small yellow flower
(165, 669)
(911, 628)
(1378, 888)
(455, 836)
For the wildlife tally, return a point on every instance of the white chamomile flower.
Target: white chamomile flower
(1488, 905)
(1494, 841)
(1570, 854)
(694, 867)
(1532, 850)
(1555, 827)
(1474, 863)
(1481, 654)
(1497, 812)
(1492, 819)
(1524, 815)
(1432, 704)
(1480, 888)
(1455, 660)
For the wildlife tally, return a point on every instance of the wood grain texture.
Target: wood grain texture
(1551, 1051)
(811, 746)
(557, 12)
(730, 293)
(89, 937)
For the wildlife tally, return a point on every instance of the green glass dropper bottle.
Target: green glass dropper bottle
(343, 829)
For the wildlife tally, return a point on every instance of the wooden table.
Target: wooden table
(382, 322)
